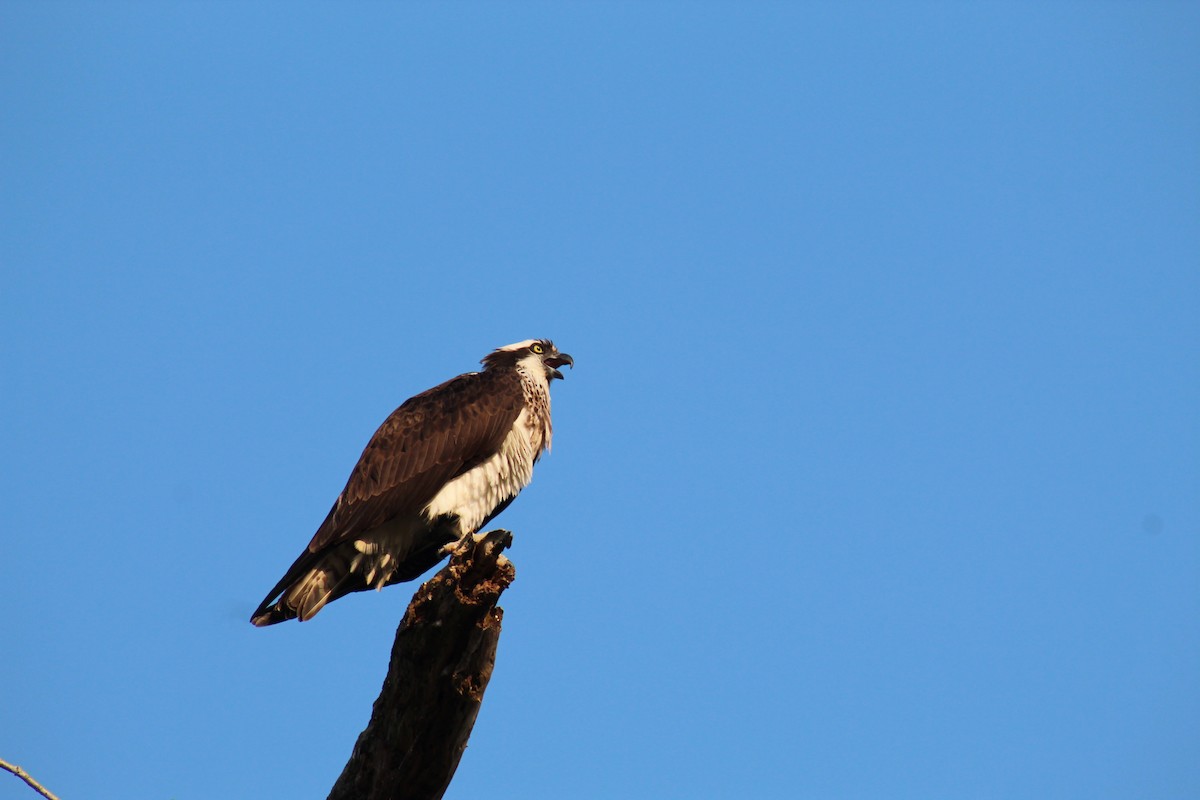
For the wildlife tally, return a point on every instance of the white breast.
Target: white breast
(476, 493)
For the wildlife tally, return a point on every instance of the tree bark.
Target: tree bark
(441, 662)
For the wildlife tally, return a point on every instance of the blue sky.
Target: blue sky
(878, 474)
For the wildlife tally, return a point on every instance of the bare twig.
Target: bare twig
(25, 776)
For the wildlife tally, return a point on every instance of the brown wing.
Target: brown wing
(431, 439)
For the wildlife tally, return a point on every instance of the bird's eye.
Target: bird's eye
(537, 348)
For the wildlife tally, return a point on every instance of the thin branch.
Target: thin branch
(25, 776)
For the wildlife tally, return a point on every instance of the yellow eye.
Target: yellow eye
(537, 348)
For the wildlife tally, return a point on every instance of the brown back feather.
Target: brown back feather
(429, 440)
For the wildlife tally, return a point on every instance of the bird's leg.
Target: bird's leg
(460, 546)
(464, 545)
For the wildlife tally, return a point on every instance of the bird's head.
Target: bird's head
(530, 354)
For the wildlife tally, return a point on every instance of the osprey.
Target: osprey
(439, 468)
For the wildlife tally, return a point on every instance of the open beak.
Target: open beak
(557, 360)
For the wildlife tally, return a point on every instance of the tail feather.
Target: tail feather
(373, 561)
(330, 575)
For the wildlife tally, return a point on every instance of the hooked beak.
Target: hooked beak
(557, 360)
